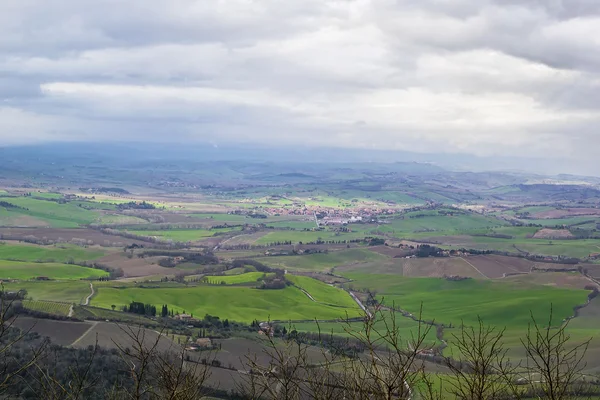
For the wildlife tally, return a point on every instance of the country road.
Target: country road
(360, 304)
(87, 299)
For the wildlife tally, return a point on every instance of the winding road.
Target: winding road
(87, 299)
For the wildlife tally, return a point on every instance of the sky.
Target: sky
(478, 77)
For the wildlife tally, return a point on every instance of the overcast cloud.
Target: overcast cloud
(486, 77)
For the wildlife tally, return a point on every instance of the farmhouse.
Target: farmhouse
(266, 328)
(205, 343)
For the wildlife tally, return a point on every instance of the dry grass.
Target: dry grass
(553, 234)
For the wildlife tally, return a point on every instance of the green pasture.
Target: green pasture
(434, 222)
(47, 195)
(397, 197)
(323, 293)
(55, 253)
(180, 235)
(31, 270)
(248, 277)
(236, 271)
(233, 302)
(68, 215)
(552, 222)
(322, 261)
(11, 217)
(550, 247)
(408, 329)
(299, 225)
(221, 217)
(73, 291)
(497, 303)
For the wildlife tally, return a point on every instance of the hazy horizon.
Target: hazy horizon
(488, 85)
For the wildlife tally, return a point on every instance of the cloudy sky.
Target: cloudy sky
(485, 77)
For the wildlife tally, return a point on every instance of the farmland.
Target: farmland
(31, 270)
(56, 253)
(308, 236)
(322, 261)
(52, 214)
(65, 291)
(320, 237)
(180, 235)
(48, 307)
(249, 277)
(232, 302)
(454, 302)
(324, 294)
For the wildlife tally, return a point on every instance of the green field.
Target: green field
(63, 291)
(432, 221)
(497, 303)
(221, 217)
(322, 261)
(30, 270)
(323, 293)
(308, 236)
(249, 277)
(48, 307)
(180, 235)
(232, 302)
(408, 329)
(55, 253)
(69, 215)
(299, 225)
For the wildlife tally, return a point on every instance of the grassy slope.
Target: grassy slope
(436, 222)
(497, 303)
(323, 293)
(30, 270)
(67, 291)
(235, 303)
(68, 215)
(249, 277)
(60, 253)
(407, 328)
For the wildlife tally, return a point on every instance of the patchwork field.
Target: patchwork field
(565, 212)
(478, 267)
(322, 261)
(88, 236)
(307, 236)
